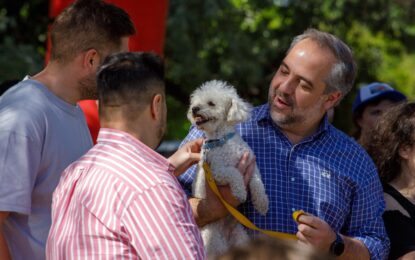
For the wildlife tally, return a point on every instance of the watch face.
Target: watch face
(337, 247)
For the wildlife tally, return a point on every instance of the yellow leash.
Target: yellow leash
(241, 218)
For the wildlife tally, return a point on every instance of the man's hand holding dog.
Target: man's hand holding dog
(211, 209)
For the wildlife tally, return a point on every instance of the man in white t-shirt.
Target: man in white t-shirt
(43, 130)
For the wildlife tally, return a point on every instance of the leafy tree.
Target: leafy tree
(243, 41)
(23, 27)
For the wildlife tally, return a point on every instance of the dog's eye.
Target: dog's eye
(210, 103)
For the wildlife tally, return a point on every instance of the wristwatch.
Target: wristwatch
(337, 247)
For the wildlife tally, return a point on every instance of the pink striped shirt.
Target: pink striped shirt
(121, 201)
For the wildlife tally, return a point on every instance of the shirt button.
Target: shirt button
(293, 209)
(292, 179)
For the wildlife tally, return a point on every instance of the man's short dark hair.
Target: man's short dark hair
(88, 24)
(129, 78)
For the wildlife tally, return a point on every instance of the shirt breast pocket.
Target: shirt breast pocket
(332, 197)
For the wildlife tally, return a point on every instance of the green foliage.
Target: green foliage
(175, 128)
(243, 41)
(400, 71)
(23, 27)
(19, 60)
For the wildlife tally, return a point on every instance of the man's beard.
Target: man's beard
(88, 87)
(297, 116)
(281, 119)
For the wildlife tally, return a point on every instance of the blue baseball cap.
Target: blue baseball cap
(376, 91)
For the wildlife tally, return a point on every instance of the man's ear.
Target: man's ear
(91, 59)
(332, 99)
(156, 106)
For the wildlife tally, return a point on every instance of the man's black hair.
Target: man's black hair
(130, 78)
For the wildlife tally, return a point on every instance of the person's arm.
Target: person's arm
(211, 208)
(317, 233)
(4, 249)
(408, 256)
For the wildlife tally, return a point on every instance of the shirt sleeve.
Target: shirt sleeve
(19, 161)
(186, 179)
(160, 225)
(365, 222)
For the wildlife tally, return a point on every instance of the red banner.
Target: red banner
(149, 18)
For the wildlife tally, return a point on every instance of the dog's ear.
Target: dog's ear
(238, 111)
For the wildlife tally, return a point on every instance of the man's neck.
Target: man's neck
(60, 81)
(140, 127)
(298, 132)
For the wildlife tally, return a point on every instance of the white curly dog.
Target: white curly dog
(215, 108)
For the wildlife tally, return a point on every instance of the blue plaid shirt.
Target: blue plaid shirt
(328, 175)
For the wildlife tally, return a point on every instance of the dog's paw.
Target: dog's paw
(240, 194)
(262, 205)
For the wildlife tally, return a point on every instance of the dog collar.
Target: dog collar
(212, 143)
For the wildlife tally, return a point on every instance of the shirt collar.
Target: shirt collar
(262, 113)
(118, 137)
(73, 110)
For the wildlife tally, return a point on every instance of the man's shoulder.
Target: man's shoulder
(338, 136)
(130, 166)
(24, 106)
(26, 97)
(352, 155)
(20, 116)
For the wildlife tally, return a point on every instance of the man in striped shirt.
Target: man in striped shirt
(122, 199)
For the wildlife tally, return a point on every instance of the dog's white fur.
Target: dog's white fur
(216, 108)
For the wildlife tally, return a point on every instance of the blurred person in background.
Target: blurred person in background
(370, 103)
(392, 147)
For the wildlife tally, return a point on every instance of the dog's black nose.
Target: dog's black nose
(195, 109)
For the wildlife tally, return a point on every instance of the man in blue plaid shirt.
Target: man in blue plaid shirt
(306, 163)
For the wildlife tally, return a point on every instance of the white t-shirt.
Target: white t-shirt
(40, 135)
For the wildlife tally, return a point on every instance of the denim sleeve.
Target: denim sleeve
(186, 179)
